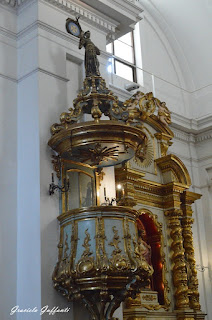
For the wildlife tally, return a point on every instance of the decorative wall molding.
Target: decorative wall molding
(43, 26)
(8, 78)
(204, 136)
(183, 136)
(11, 3)
(190, 137)
(87, 14)
(51, 74)
(183, 123)
(131, 7)
(7, 33)
(194, 126)
(75, 8)
(205, 123)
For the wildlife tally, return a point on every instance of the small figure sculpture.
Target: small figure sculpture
(164, 114)
(145, 250)
(140, 106)
(91, 52)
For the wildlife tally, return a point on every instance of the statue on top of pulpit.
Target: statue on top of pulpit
(91, 51)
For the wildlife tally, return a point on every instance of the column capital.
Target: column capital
(173, 213)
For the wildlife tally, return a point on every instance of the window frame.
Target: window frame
(123, 61)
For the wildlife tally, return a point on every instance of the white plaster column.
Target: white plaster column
(28, 215)
(8, 160)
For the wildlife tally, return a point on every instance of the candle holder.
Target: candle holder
(109, 202)
(53, 186)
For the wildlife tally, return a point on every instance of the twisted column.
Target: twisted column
(191, 263)
(179, 266)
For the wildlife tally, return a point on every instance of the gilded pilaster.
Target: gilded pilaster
(187, 199)
(179, 266)
(190, 262)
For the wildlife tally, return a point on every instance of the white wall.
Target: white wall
(8, 168)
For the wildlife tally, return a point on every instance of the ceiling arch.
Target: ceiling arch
(188, 28)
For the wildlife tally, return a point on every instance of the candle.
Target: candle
(52, 177)
(105, 192)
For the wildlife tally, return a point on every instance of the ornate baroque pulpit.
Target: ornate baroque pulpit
(137, 247)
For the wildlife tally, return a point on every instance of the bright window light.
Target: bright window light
(124, 71)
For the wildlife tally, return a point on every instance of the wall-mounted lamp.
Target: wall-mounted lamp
(53, 187)
(120, 191)
(119, 186)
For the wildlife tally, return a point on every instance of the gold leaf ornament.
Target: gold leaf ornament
(144, 154)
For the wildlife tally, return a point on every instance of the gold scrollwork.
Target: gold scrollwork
(86, 262)
(152, 306)
(149, 297)
(56, 161)
(128, 238)
(102, 260)
(140, 106)
(118, 261)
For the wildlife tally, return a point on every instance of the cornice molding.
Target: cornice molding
(3, 76)
(131, 7)
(10, 3)
(87, 14)
(184, 123)
(51, 74)
(204, 136)
(190, 137)
(191, 130)
(90, 13)
(183, 136)
(7, 33)
(46, 27)
(205, 123)
(41, 70)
